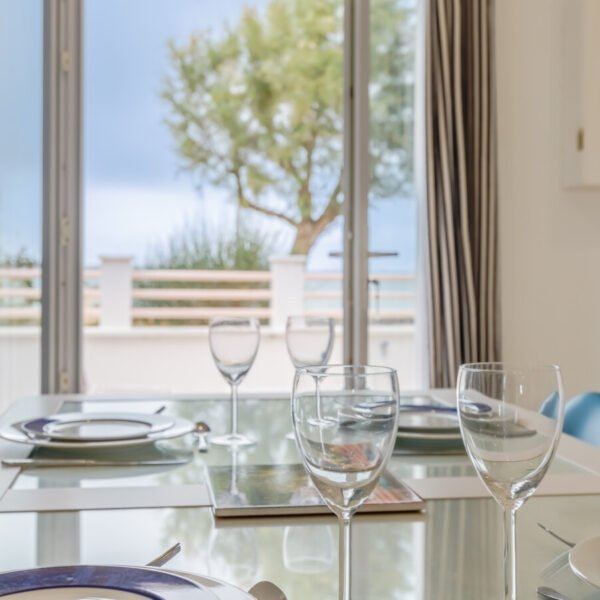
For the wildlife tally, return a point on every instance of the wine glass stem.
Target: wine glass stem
(345, 556)
(510, 554)
(234, 401)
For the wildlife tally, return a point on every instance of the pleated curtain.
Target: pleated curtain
(461, 184)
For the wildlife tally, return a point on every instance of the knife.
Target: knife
(36, 463)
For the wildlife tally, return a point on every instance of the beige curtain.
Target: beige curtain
(461, 186)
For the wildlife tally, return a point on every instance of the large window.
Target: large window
(21, 107)
(215, 160)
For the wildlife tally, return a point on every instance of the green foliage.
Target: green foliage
(19, 259)
(257, 109)
(243, 250)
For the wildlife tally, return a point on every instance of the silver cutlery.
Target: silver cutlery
(556, 536)
(201, 429)
(37, 463)
(550, 593)
(165, 557)
(265, 590)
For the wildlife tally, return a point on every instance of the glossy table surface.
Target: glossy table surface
(451, 550)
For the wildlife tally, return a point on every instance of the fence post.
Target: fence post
(116, 274)
(287, 288)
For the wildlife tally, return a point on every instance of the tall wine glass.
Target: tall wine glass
(508, 441)
(309, 342)
(233, 344)
(345, 420)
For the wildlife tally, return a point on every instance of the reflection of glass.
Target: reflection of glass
(233, 556)
(308, 548)
(233, 344)
(509, 442)
(345, 420)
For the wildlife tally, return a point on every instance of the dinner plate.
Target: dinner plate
(80, 582)
(428, 422)
(96, 427)
(13, 433)
(584, 559)
(420, 442)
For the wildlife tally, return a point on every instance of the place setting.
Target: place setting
(88, 439)
(121, 582)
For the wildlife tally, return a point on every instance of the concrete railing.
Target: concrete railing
(117, 296)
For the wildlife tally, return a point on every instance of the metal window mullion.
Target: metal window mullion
(356, 180)
(61, 273)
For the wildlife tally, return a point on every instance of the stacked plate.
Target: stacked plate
(116, 583)
(95, 430)
(428, 429)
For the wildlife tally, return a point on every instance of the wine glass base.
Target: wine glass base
(232, 439)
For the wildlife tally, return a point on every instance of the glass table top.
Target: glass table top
(450, 552)
(266, 419)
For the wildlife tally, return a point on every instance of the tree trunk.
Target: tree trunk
(307, 231)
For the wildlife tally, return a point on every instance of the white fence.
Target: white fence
(145, 330)
(117, 296)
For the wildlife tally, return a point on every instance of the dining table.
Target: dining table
(125, 515)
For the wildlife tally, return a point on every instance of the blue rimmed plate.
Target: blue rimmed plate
(101, 582)
(96, 427)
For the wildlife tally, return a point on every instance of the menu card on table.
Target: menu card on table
(268, 490)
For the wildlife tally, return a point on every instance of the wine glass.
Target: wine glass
(309, 342)
(233, 344)
(508, 441)
(345, 419)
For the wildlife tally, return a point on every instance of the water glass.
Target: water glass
(233, 345)
(508, 441)
(345, 420)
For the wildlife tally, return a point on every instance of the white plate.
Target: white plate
(428, 423)
(13, 433)
(584, 559)
(214, 588)
(96, 427)
(101, 582)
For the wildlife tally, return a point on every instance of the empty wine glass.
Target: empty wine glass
(309, 342)
(233, 344)
(508, 441)
(345, 420)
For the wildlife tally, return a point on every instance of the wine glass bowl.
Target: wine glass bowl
(510, 444)
(233, 344)
(345, 420)
(309, 340)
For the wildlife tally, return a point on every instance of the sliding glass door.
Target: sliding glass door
(21, 167)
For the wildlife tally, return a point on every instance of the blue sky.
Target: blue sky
(135, 194)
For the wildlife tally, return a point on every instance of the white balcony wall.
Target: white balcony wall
(178, 360)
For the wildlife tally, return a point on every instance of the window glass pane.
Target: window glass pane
(213, 142)
(21, 108)
(392, 198)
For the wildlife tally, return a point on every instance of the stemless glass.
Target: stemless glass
(509, 443)
(345, 420)
(233, 344)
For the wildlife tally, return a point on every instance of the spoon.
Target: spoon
(550, 593)
(201, 429)
(265, 590)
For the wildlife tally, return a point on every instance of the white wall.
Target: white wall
(178, 360)
(549, 236)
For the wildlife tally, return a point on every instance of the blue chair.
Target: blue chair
(582, 416)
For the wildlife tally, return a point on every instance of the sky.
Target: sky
(135, 193)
